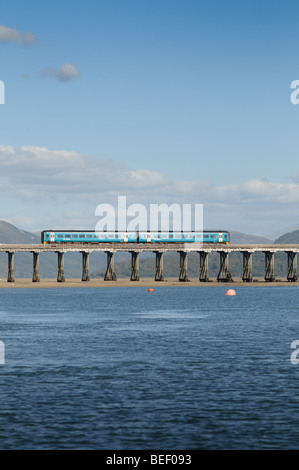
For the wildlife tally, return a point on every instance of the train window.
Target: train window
(213, 236)
(171, 235)
(89, 236)
(59, 236)
(82, 236)
(103, 236)
(75, 235)
(207, 236)
(96, 236)
(68, 235)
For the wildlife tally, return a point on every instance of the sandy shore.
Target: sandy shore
(146, 283)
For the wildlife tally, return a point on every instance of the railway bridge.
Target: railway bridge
(159, 249)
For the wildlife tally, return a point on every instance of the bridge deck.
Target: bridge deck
(135, 249)
(147, 247)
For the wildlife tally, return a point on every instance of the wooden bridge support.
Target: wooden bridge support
(224, 274)
(134, 266)
(247, 266)
(60, 275)
(203, 266)
(269, 266)
(292, 266)
(10, 276)
(159, 266)
(183, 266)
(35, 277)
(110, 274)
(85, 266)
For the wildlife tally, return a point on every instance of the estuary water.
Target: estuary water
(125, 369)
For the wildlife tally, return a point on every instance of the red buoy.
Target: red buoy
(151, 290)
(231, 292)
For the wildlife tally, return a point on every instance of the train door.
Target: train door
(220, 237)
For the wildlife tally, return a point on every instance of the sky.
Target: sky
(163, 101)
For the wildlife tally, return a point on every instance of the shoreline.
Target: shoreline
(22, 283)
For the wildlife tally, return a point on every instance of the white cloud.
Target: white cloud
(49, 183)
(30, 171)
(65, 73)
(9, 35)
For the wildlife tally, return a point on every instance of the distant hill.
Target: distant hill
(237, 238)
(276, 235)
(10, 234)
(172, 266)
(291, 237)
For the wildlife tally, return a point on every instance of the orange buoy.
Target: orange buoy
(231, 292)
(151, 290)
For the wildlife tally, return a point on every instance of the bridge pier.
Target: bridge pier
(60, 275)
(35, 277)
(269, 266)
(110, 274)
(247, 266)
(134, 266)
(159, 266)
(224, 274)
(292, 266)
(159, 249)
(183, 266)
(85, 266)
(10, 275)
(203, 266)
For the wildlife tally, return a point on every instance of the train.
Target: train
(89, 236)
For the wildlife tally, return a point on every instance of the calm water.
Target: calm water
(121, 368)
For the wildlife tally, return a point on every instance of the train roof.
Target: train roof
(133, 231)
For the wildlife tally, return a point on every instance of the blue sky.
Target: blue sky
(191, 95)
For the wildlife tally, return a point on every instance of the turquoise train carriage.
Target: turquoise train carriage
(70, 236)
(89, 236)
(184, 237)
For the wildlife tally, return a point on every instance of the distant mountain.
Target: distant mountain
(291, 237)
(239, 238)
(9, 234)
(172, 266)
(276, 235)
